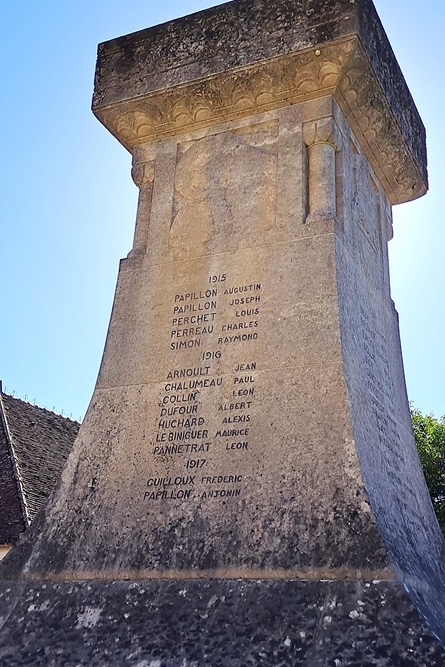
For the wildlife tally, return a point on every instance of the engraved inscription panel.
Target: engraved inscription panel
(204, 422)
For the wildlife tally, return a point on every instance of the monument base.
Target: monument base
(200, 623)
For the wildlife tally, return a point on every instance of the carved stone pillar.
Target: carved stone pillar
(142, 174)
(321, 139)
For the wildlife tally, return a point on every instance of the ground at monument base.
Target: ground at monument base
(233, 623)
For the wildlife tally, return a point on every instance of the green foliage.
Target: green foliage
(429, 434)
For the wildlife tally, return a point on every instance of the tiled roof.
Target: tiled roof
(34, 445)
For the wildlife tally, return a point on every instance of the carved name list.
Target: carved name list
(210, 320)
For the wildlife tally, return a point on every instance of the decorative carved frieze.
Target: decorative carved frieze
(339, 68)
(367, 110)
(234, 94)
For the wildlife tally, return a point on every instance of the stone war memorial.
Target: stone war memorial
(245, 489)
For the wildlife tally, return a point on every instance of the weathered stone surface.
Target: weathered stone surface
(227, 623)
(250, 420)
(232, 314)
(250, 56)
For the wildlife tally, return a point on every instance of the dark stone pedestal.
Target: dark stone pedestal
(212, 623)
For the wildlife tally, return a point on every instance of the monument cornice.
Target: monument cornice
(339, 68)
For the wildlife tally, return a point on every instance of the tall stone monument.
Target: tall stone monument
(245, 488)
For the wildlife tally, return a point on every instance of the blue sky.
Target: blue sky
(67, 202)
